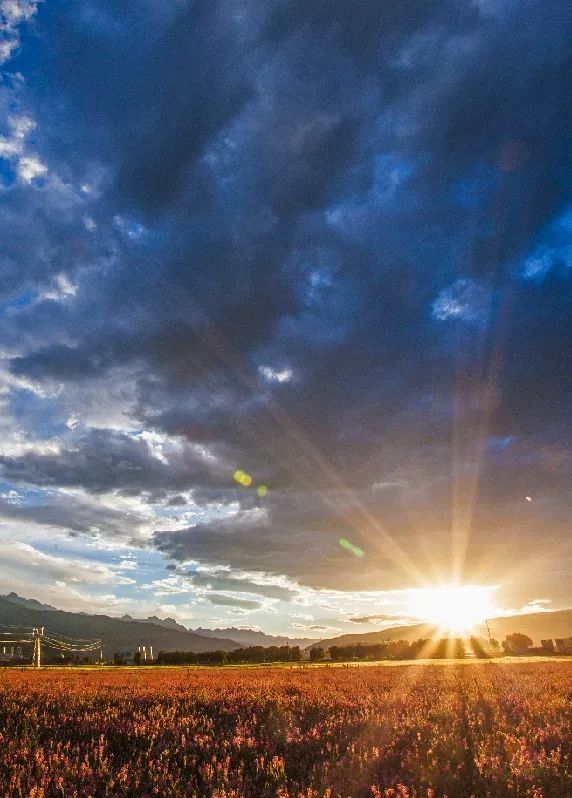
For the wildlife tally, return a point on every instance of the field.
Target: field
(427, 731)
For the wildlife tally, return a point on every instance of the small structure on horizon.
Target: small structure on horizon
(145, 653)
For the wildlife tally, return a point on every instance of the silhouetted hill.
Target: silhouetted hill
(117, 634)
(166, 623)
(242, 637)
(410, 633)
(538, 626)
(250, 637)
(32, 604)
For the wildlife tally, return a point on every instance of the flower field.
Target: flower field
(421, 730)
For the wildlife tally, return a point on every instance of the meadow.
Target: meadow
(423, 731)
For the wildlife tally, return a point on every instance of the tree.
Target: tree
(477, 646)
(316, 653)
(517, 643)
(448, 648)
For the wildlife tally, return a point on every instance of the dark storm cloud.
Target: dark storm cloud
(342, 193)
(220, 582)
(106, 460)
(221, 600)
(76, 515)
(298, 534)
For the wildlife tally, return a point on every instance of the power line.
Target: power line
(8, 626)
(37, 637)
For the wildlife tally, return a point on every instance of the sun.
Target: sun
(454, 609)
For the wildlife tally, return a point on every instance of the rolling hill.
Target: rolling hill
(538, 625)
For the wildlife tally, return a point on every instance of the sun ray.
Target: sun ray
(453, 609)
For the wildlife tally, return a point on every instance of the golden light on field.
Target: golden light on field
(454, 609)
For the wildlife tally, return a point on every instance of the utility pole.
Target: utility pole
(38, 634)
(489, 631)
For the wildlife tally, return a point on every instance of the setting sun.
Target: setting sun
(455, 609)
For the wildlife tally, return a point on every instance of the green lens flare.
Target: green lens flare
(242, 478)
(351, 547)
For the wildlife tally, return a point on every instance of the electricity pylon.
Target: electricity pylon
(38, 635)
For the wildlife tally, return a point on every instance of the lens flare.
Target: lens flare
(455, 609)
(351, 547)
(242, 478)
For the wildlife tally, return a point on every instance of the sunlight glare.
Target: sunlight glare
(455, 609)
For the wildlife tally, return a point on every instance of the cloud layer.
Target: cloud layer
(325, 244)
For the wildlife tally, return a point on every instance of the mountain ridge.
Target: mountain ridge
(251, 637)
(538, 626)
(233, 635)
(117, 635)
(242, 637)
(31, 604)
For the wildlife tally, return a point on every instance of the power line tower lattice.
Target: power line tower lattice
(37, 634)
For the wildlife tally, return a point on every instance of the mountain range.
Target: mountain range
(31, 604)
(117, 634)
(250, 637)
(242, 637)
(127, 633)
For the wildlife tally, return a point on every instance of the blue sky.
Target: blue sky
(323, 244)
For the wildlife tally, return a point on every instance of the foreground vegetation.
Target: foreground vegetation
(425, 731)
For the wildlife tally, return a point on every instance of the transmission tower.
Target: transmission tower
(38, 637)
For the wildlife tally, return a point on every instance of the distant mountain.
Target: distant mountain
(127, 633)
(166, 623)
(32, 604)
(242, 637)
(249, 637)
(537, 625)
(117, 634)
(410, 633)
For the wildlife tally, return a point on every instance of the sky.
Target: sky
(286, 310)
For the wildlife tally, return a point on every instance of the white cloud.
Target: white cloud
(36, 566)
(315, 627)
(535, 605)
(131, 230)
(11, 497)
(14, 148)
(169, 586)
(30, 167)
(464, 300)
(127, 565)
(273, 375)
(12, 14)
(62, 288)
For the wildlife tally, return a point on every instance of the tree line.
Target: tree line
(445, 648)
(396, 649)
(249, 654)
